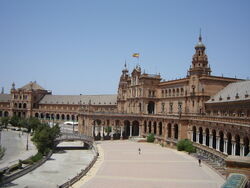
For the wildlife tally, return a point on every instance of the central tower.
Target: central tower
(200, 62)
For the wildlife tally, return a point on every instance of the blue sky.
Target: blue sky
(80, 46)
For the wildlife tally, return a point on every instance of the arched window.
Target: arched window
(176, 131)
(194, 134)
(169, 130)
(151, 107)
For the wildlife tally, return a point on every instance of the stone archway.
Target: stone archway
(169, 127)
(160, 128)
(246, 145)
(214, 139)
(194, 134)
(126, 133)
(229, 143)
(176, 131)
(135, 128)
(154, 126)
(221, 135)
(207, 137)
(200, 135)
(237, 145)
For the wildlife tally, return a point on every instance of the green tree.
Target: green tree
(5, 121)
(23, 123)
(33, 123)
(14, 121)
(44, 137)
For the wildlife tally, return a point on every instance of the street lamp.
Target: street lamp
(27, 143)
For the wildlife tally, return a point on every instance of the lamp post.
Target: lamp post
(27, 144)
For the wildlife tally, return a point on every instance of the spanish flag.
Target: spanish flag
(136, 55)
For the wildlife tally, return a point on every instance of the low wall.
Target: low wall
(25, 170)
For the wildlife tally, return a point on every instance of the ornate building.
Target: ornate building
(211, 111)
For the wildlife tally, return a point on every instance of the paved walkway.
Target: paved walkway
(57, 170)
(120, 166)
(15, 147)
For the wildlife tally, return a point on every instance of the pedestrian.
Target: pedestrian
(139, 151)
(199, 160)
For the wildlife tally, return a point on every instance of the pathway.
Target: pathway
(122, 167)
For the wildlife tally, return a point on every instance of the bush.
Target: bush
(37, 157)
(151, 138)
(185, 145)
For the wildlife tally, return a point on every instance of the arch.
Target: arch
(200, 135)
(135, 128)
(207, 136)
(57, 116)
(194, 134)
(160, 128)
(149, 127)
(15, 105)
(63, 117)
(47, 116)
(214, 138)
(169, 130)
(221, 135)
(154, 125)
(246, 145)
(237, 145)
(151, 107)
(1, 113)
(36, 115)
(67, 117)
(229, 143)
(6, 114)
(41, 115)
(126, 128)
(24, 105)
(176, 131)
(20, 105)
(145, 126)
(52, 116)
(73, 117)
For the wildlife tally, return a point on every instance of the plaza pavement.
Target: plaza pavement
(120, 166)
(15, 147)
(57, 170)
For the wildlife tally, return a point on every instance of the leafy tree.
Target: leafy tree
(44, 137)
(151, 138)
(23, 123)
(5, 121)
(33, 123)
(14, 121)
(185, 145)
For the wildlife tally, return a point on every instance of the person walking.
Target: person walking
(139, 150)
(199, 160)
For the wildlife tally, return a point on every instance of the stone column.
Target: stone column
(241, 150)
(233, 148)
(225, 146)
(197, 137)
(140, 130)
(92, 128)
(102, 131)
(217, 143)
(112, 133)
(210, 141)
(121, 137)
(130, 131)
(192, 136)
(204, 139)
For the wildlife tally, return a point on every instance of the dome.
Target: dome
(199, 45)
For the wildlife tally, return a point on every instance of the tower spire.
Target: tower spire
(200, 38)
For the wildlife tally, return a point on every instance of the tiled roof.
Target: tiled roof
(32, 85)
(5, 97)
(236, 91)
(76, 99)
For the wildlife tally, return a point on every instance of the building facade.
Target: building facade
(211, 111)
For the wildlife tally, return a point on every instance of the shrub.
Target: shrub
(37, 157)
(185, 145)
(151, 138)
